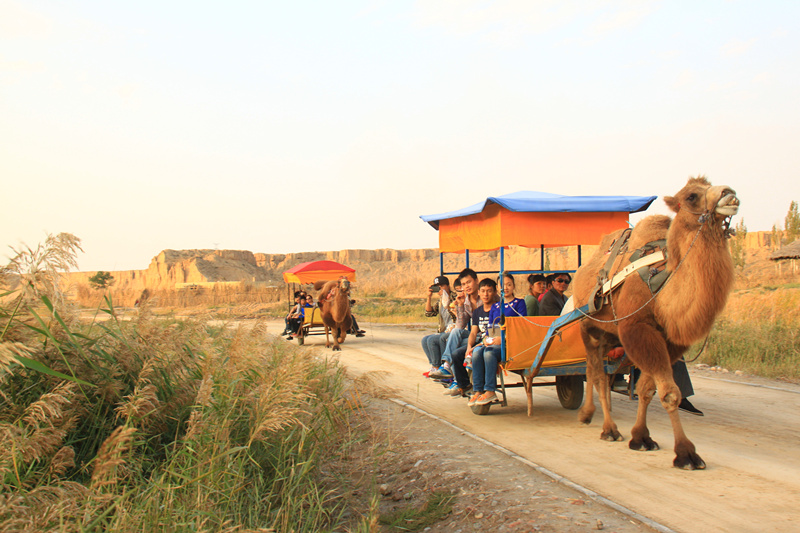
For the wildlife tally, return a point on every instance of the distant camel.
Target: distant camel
(334, 302)
(655, 331)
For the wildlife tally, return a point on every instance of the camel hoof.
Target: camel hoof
(337, 349)
(611, 436)
(585, 419)
(690, 461)
(645, 444)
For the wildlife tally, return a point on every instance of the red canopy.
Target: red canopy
(318, 270)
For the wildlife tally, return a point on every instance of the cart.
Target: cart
(311, 272)
(538, 346)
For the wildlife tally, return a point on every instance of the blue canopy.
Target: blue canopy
(539, 202)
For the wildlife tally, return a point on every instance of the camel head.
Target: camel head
(344, 285)
(700, 202)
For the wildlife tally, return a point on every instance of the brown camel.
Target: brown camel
(656, 330)
(334, 302)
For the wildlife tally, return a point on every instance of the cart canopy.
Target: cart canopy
(318, 270)
(533, 219)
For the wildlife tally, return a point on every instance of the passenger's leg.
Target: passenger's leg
(478, 375)
(429, 345)
(457, 366)
(681, 376)
(442, 344)
(453, 342)
(491, 356)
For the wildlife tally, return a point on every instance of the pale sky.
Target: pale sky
(279, 127)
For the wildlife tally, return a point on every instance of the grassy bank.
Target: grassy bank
(758, 333)
(160, 424)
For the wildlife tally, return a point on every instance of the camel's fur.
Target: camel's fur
(683, 312)
(334, 302)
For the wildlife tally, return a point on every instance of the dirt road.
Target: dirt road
(748, 437)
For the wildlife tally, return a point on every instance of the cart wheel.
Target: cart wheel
(481, 409)
(570, 391)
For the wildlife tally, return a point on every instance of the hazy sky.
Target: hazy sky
(298, 126)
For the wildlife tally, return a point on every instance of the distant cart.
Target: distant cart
(311, 272)
(541, 346)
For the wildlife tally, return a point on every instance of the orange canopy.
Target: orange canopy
(533, 219)
(318, 270)
(497, 227)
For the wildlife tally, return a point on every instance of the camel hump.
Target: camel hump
(319, 284)
(649, 229)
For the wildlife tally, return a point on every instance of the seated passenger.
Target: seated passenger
(296, 317)
(536, 289)
(456, 348)
(484, 386)
(553, 301)
(512, 305)
(287, 329)
(434, 344)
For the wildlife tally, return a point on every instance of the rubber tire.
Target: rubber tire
(570, 391)
(481, 410)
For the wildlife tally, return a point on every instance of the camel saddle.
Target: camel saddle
(649, 261)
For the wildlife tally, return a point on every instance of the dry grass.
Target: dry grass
(160, 424)
(757, 333)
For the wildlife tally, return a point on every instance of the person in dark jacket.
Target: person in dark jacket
(553, 301)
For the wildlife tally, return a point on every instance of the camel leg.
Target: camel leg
(610, 430)
(327, 339)
(640, 434)
(336, 347)
(597, 345)
(586, 412)
(649, 350)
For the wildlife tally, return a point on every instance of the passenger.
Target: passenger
(457, 346)
(458, 333)
(287, 329)
(553, 301)
(536, 289)
(296, 317)
(354, 329)
(433, 345)
(548, 284)
(485, 358)
(480, 324)
(512, 305)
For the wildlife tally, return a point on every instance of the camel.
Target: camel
(334, 302)
(656, 330)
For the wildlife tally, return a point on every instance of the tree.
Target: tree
(101, 280)
(738, 244)
(777, 236)
(792, 223)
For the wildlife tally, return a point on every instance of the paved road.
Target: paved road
(749, 438)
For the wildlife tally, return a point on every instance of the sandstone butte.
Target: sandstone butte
(400, 273)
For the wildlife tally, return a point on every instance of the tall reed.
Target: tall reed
(159, 424)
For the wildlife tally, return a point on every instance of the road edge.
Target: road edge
(554, 476)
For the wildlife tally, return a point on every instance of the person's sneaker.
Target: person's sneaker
(620, 384)
(359, 334)
(449, 390)
(486, 398)
(458, 392)
(474, 398)
(441, 372)
(687, 406)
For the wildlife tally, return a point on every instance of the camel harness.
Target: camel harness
(649, 261)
